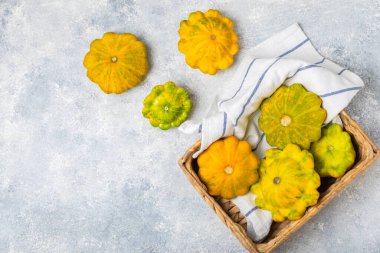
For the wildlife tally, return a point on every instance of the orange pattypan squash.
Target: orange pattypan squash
(116, 62)
(208, 41)
(228, 168)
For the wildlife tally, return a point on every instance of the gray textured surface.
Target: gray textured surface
(81, 171)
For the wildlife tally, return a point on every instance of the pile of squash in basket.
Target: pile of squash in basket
(287, 179)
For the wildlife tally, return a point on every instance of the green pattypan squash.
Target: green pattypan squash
(167, 106)
(334, 153)
(292, 115)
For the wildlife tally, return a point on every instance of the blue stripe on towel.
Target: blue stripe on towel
(342, 71)
(315, 65)
(303, 68)
(263, 75)
(251, 211)
(241, 85)
(255, 89)
(224, 123)
(200, 128)
(261, 139)
(321, 61)
(294, 48)
(339, 91)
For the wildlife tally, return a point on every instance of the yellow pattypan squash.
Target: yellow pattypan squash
(334, 153)
(228, 167)
(292, 115)
(208, 41)
(288, 183)
(116, 62)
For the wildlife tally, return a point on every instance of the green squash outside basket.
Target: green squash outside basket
(167, 106)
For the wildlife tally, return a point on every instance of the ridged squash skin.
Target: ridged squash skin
(228, 168)
(334, 153)
(292, 115)
(167, 106)
(288, 183)
(208, 41)
(116, 62)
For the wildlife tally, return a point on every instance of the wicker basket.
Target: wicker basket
(367, 153)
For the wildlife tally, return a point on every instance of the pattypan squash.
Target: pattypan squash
(228, 168)
(167, 106)
(116, 62)
(288, 183)
(292, 115)
(208, 41)
(334, 153)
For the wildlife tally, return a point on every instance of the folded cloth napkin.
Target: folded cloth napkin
(286, 58)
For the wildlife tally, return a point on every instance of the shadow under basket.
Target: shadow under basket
(366, 154)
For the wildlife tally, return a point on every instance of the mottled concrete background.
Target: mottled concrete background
(81, 171)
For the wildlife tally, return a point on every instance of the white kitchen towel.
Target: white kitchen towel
(258, 220)
(286, 58)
